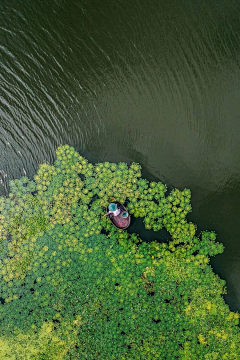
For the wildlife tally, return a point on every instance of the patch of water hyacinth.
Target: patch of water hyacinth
(74, 287)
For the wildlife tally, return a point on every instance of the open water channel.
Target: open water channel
(155, 82)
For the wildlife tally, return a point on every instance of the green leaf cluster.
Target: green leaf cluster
(74, 287)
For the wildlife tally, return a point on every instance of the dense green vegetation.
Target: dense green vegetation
(74, 287)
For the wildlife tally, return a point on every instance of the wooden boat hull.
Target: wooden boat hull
(118, 221)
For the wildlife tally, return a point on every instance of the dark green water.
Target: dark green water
(156, 82)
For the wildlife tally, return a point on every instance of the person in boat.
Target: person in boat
(118, 215)
(113, 210)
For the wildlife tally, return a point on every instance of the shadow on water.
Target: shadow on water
(137, 226)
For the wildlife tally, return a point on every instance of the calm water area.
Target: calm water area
(155, 82)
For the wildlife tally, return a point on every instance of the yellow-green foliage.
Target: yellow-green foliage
(44, 344)
(74, 287)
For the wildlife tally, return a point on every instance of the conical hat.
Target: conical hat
(112, 207)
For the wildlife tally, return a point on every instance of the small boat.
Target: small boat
(123, 219)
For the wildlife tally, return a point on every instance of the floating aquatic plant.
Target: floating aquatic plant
(74, 287)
